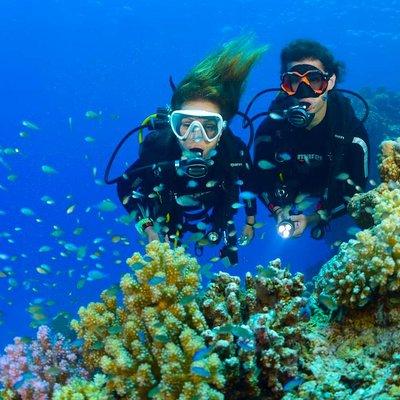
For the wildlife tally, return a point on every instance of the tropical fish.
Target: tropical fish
(202, 353)
(93, 115)
(78, 231)
(162, 338)
(43, 269)
(292, 384)
(187, 201)
(30, 125)
(12, 178)
(27, 211)
(342, 176)
(247, 195)
(95, 275)
(106, 206)
(48, 200)
(264, 164)
(246, 345)
(242, 332)
(71, 209)
(89, 139)
(353, 230)
(155, 280)
(200, 371)
(48, 169)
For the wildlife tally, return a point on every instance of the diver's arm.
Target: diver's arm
(357, 166)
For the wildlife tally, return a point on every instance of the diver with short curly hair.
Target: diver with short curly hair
(311, 144)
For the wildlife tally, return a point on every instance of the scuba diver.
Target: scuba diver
(192, 170)
(311, 145)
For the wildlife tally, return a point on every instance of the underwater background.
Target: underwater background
(75, 76)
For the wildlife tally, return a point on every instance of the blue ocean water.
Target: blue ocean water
(61, 59)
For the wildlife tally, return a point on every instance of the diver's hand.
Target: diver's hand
(151, 234)
(300, 222)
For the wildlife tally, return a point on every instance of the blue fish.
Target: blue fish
(200, 371)
(200, 354)
(155, 280)
(292, 384)
(246, 345)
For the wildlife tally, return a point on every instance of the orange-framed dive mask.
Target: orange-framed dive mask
(315, 79)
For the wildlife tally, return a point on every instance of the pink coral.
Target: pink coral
(32, 371)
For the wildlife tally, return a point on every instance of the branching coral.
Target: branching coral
(32, 371)
(147, 347)
(352, 360)
(256, 332)
(81, 389)
(370, 264)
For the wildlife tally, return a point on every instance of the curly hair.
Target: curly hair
(220, 77)
(301, 49)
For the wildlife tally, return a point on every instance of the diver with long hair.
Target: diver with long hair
(192, 170)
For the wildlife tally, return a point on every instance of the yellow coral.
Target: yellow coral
(148, 344)
(80, 389)
(370, 263)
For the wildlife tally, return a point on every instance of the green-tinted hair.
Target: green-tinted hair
(220, 77)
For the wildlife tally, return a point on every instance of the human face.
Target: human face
(199, 142)
(317, 105)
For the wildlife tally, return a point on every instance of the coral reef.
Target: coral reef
(32, 371)
(384, 107)
(241, 343)
(266, 338)
(147, 347)
(369, 265)
(81, 389)
(256, 331)
(353, 360)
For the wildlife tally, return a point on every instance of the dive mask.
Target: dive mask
(304, 80)
(197, 125)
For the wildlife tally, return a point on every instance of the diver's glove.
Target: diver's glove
(230, 254)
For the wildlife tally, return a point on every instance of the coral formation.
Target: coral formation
(263, 339)
(369, 265)
(160, 344)
(256, 331)
(353, 360)
(81, 389)
(32, 371)
(147, 347)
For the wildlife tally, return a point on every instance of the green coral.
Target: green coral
(81, 389)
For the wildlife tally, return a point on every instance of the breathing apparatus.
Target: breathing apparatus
(300, 82)
(192, 163)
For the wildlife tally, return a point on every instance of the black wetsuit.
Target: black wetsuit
(165, 195)
(329, 161)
